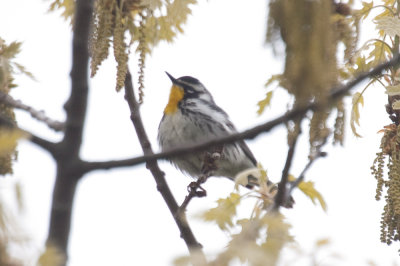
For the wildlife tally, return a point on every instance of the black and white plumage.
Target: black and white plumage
(191, 116)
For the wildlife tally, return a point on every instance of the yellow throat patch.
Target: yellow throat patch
(175, 96)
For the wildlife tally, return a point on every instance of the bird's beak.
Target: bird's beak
(171, 77)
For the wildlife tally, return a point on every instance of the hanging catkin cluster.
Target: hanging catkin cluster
(142, 54)
(110, 23)
(390, 149)
(307, 29)
(314, 33)
(113, 19)
(338, 128)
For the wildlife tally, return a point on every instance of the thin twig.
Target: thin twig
(39, 115)
(312, 158)
(281, 196)
(301, 177)
(193, 245)
(195, 190)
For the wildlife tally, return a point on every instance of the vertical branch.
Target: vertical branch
(76, 105)
(67, 151)
(162, 186)
(61, 211)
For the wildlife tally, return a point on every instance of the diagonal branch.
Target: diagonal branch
(302, 175)
(282, 194)
(342, 90)
(312, 158)
(39, 115)
(162, 186)
(251, 133)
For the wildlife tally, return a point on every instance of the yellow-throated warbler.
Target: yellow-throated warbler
(191, 116)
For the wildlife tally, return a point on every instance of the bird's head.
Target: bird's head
(185, 88)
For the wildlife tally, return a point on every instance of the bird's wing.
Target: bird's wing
(247, 151)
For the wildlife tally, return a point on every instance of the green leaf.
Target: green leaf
(67, 7)
(389, 25)
(264, 103)
(224, 213)
(278, 235)
(267, 100)
(23, 70)
(393, 90)
(182, 261)
(355, 112)
(380, 52)
(309, 190)
(8, 140)
(10, 50)
(366, 9)
(323, 242)
(52, 256)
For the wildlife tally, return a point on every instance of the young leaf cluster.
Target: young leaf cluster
(259, 237)
(373, 51)
(8, 68)
(67, 7)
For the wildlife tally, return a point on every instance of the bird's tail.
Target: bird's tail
(251, 178)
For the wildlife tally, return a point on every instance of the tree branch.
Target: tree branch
(282, 194)
(336, 93)
(70, 168)
(162, 186)
(251, 133)
(339, 92)
(39, 115)
(43, 143)
(76, 105)
(67, 154)
(301, 177)
(312, 158)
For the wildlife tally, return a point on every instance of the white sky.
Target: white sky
(119, 217)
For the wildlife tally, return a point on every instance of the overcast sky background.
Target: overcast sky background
(119, 217)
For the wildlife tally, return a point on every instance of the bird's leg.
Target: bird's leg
(209, 166)
(210, 161)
